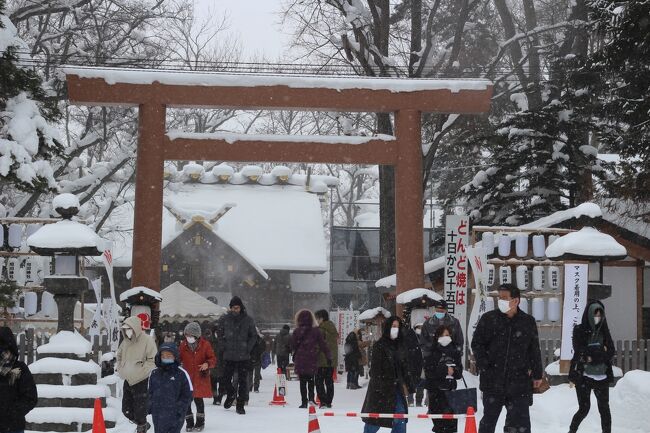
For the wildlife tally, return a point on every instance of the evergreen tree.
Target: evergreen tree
(28, 141)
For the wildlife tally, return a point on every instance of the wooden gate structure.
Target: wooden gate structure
(153, 91)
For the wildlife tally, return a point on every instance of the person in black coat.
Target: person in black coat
(255, 373)
(216, 374)
(591, 366)
(18, 393)
(415, 362)
(170, 391)
(352, 359)
(442, 368)
(390, 381)
(506, 348)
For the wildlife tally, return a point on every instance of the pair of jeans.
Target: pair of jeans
(517, 413)
(325, 385)
(399, 425)
(306, 388)
(583, 392)
(241, 368)
(135, 403)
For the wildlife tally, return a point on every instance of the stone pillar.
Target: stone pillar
(67, 291)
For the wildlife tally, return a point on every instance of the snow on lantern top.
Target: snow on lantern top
(252, 172)
(373, 313)
(140, 295)
(418, 296)
(586, 244)
(223, 172)
(282, 173)
(193, 170)
(66, 237)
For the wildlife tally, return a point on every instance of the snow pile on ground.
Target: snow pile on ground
(63, 366)
(630, 401)
(66, 342)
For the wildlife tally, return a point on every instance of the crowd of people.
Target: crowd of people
(226, 362)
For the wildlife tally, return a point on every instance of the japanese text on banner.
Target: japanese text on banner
(456, 267)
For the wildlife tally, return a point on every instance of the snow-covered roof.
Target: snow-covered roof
(586, 242)
(430, 266)
(410, 295)
(136, 76)
(374, 312)
(180, 302)
(140, 289)
(278, 227)
(310, 283)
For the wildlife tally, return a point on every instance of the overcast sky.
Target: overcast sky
(254, 22)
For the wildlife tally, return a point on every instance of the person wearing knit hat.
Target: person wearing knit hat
(197, 358)
(239, 339)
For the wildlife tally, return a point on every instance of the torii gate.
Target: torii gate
(153, 91)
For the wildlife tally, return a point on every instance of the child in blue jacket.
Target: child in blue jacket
(170, 391)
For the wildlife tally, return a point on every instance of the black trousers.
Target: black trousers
(438, 405)
(517, 413)
(241, 367)
(254, 377)
(135, 403)
(283, 362)
(325, 385)
(306, 387)
(218, 387)
(601, 391)
(200, 407)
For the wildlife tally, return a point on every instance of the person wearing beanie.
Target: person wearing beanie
(169, 392)
(197, 358)
(239, 338)
(282, 349)
(18, 395)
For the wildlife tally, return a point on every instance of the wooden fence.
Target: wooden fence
(630, 354)
(28, 341)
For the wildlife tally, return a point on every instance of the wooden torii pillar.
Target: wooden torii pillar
(153, 91)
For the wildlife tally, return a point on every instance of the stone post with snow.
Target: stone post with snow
(65, 375)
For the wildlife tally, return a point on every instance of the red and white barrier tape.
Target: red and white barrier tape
(398, 415)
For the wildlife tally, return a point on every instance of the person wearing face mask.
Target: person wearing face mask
(508, 357)
(18, 395)
(134, 362)
(414, 357)
(441, 317)
(390, 380)
(170, 391)
(197, 358)
(442, 368)
(591, 366)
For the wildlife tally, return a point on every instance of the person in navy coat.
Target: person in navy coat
(170, 391)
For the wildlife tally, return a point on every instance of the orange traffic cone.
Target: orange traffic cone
(312, 425)
(470, 421)
(278, 397)
(98, 418)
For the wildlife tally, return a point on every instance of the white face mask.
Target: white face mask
(504, 306)
(394, 332)
(418, 331)
(596, 320)
(191, 340)
(445, 340)
(129, 333)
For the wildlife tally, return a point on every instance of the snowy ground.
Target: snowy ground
(551, 412)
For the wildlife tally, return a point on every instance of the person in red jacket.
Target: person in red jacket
(197, 358)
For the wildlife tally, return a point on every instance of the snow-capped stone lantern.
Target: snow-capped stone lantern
(142, 302)
(66, 241)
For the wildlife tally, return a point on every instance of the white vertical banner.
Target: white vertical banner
(345, 322)
(95, 325)
(456, 267)
(111, 316)
(477, 258)
(575, 301)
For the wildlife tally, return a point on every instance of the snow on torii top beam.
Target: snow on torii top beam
(95, 86)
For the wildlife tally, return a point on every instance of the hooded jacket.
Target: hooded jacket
(389, 374)
(331, 336)
(239, 334)
(591, 341)
(306, 342)
(170, 392)
(18, 393)
(135, 356)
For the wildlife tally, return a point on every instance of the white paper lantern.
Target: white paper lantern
(48, 305)
(539, 246)
(492, 275)
(505, 275)
(489, 303)
(504, 245)
(553, 238)
(521, 244)
(538, 278)
(554, 309)
(15, 235)
(522, 277)
(523, 305)
(31, 303)
(554, 277)
(488, 242)
(538, 309)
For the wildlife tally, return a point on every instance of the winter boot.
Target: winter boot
(240, 407)
(142, 428)
(217, 401)
(229, 401)
(189, 423)
(200, 422)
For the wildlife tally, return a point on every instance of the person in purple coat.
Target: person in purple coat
(306, 344)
